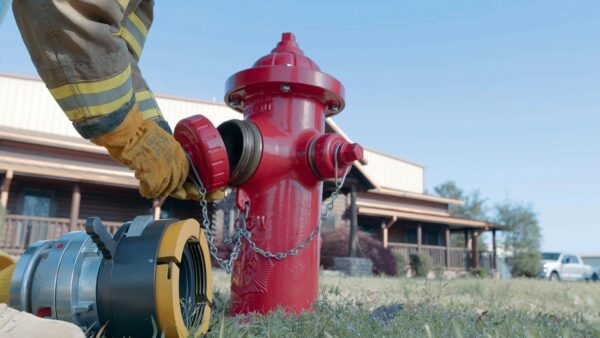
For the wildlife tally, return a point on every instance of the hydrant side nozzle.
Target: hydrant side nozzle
(328, 149)
(349, 152)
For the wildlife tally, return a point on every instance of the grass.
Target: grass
(468, 307)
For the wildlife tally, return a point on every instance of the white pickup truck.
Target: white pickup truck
(563, 266)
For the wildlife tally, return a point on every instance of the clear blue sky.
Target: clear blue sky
(501, 96)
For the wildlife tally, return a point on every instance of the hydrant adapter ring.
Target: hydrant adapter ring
(151, 276)
(244, 145)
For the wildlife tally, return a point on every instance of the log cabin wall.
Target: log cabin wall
(108, 203)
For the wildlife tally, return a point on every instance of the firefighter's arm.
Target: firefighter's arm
(154, 155)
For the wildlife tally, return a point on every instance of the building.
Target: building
(52, 180)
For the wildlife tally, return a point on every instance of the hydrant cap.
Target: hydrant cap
(287, 53)
(286, 69)
(206, 150)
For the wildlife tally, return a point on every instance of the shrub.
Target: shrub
(480, 272)
(335, 243)
(400, 264)
(525, 263)
(421, 264)
(439, 270)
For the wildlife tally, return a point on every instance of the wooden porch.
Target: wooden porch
(441, 250)
(451, 258)
(44, 208)
(21, 231)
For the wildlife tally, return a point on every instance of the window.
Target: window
(36, 203)
(411, 235)
(570, 259)
(551, 256)
(433, 237)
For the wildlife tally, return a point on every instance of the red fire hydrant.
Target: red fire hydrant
(277, 158)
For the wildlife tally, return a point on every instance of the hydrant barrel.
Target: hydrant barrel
(286, 98)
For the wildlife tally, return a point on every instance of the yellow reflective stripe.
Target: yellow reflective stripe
(139, 24)
(143, 95)
(151, 113)
(119, 32)
(104, 109)
(123, 3)
(131, 41)
(147, 105)
(91, 87)
(134, 32)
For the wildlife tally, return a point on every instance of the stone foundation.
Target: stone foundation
(354, 266)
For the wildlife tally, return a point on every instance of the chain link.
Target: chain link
(241, 231)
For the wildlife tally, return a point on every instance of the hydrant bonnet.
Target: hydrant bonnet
(285, 69)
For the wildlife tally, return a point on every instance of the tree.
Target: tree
(474, 208)
(523, 238)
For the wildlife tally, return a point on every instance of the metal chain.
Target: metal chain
(242, 215)
(226, 214)
(214, 250)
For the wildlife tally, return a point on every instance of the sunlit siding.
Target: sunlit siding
(27, 104)
(176, 109)
(394, 173)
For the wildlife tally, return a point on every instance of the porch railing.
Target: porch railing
(458, 258)
(20, 231)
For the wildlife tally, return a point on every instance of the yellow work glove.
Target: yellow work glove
(189, 192)
(156, 157)
(7, 267)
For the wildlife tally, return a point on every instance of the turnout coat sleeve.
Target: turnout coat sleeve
(87, 53)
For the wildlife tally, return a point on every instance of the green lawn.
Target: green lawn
(430, 308)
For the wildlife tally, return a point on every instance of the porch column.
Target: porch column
(5, 188)
(475, 260)
(447, 246)
(384, 231)
(494, 249)
(75, 205)
(353, 223)
(419, 237)
(384, 228)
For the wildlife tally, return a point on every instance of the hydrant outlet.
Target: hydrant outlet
(327, 150)
(243, 142)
